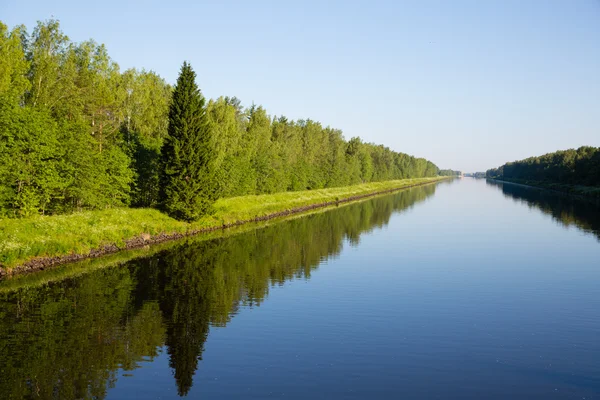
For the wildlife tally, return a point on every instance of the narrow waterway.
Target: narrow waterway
(461, 290)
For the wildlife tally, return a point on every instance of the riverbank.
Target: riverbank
(577, 190)
(40, 242)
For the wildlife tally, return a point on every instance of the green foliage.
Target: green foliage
(188, 186)
(449, 172)
(478, 175)
(146, 163)
(61, 114)
(571, 167)
(97, 135)
(232, 148)
(13, 65)
(49, 53)
(29, 161)
(95, 179)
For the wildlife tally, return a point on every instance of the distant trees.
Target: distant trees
(494, 173)
(474, 174)
(78, 133)
(574, 167)
(449, 172)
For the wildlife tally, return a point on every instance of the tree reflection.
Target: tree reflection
(69, 339)
(568, 210)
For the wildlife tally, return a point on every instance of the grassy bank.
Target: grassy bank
(25, 240)
(578, 190)
(78, 268)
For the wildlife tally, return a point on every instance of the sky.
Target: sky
(468, 85)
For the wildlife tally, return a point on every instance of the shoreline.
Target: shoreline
(41, 263)
(568, 190)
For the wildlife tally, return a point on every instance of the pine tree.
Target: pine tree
(188, 188)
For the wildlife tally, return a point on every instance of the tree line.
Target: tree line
(77, 133)
(449, 172)
(477, 175)
(572, 167)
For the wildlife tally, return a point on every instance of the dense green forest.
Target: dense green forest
(78, 133)
(571, 167)
(74, 338)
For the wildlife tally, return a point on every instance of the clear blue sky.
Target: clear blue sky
(466, 84)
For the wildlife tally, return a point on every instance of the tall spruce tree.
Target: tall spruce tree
(188, 187)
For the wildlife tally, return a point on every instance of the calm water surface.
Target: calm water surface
(464, 290)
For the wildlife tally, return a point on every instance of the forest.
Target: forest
(570, 167)
(77, 133)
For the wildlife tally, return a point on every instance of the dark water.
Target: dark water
(464, 290)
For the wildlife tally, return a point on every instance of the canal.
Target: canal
(460, 290)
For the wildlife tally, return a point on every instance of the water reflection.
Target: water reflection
(569, 211)
(68, 339)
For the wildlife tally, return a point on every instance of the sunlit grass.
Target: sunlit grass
(79, 233)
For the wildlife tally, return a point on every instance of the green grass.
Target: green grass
(79, 233)
(74, 269)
